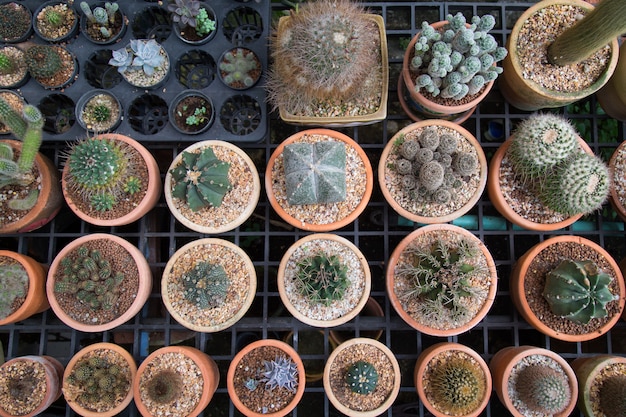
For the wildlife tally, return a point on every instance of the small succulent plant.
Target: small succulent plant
(13, 281)
(102, 16)
(239, 66)
(122, 59)
(143, 55)
(184, 12)
(322, 278)
(164, 387)
(458, 386)
(362, 377)
(578, 290)
(43, 61)
(201, 179)
(280, 372)
(204, 23)
(315, 173)
(543, 389)
(613, 395)
(206, 285)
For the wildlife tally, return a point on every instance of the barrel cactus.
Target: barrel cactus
(43, 61)
(362, 377)
(543, 389)
(206, 285)
(322, 278)
(578, 291)
(14, 282)
(458, 386)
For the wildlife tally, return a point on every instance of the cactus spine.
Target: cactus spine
(362, 377)
(543, 389)
(458, 386)
(164, 387)
(322, 278)
(43, 61)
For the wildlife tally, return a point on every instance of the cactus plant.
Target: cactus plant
(201, 179)
(315, 173)
(206, 285)
(7, 63)
(43, 61)
(164, 387)
(240, 65)
(613, 395)
(103, 17)
(578, 290)
(458, 385)
(280, 372)
(362, 377)
(322, 278)
(15, 21)
(14, 282)
(543, 389)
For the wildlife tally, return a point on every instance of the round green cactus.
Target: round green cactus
(98, 381)
(206, 285)
(43, 61)
(543, 389)
(322, 278)
(362, 377)
(458, 386)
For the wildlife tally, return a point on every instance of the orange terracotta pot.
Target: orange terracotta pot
(519, 294)
(371, 309)
(321, 208)
(616, 175)
(587, 370)
(36, 300)
(506, 359)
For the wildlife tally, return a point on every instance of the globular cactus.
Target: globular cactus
(164, 387)
(322, 278)
(14, 21)
(7, 64)
(43, 61)
(315, 173)
(13, 281)
(280, 372)
(201, 179)
(458, 386)
(578, 290)
(97, 380)
(240, 65)
(53, 17)
(362, 377)
(543, 389)
(613, 395)
(206, 285)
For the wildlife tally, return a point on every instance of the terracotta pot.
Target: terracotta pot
(153, 192)
(50, 198)
(290, 353)
(520, 296)
(371, 309)
(383, 172)
(506, 359)
(527, 95)
(495, 193)
(311, 342)
(209, 373)
(288, 258)
(280, 206)
(329, 382)
(143, 292)
(616, 175)
(183, 256)
(588, 371)
(36, 300)
(395, 300)
(72, 364)
(422, 365)
(53, 376)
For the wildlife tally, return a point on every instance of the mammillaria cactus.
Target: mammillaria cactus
(459, 60)
(13, 281)
(98, 380)
(322, 278)
(578, 290)
(458, 386)
(206, 285)
(240, 65)
(543, 389)
(43, 61)
(362, 377)
(613, 395)
(164, 387)
(201, 179)
(315, 172)
(280, 372)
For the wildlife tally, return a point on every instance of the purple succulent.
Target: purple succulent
(184, 11)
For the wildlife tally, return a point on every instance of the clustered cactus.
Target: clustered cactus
(459, 60)
(88, 276)
(142, 55)
(206, 285)
(578, 291)
(14, 282)
(315, 173)
(280, 372)
(458, 386)
(543, 389)
(322, 278)
(164, 387)
(99, 381)
(201, 179)
(362, 377)
(433, 166)
(613, 395)
(102, 16)
(240, 65)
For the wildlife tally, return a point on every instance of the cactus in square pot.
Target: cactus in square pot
(194, 21)
(143, 63)
(103, 24)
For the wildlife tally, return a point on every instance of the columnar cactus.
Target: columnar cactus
(362, 377)
(315, 173)
(13, 281)
(98, 380)
(578, 290)
(458, 386)
(613, 395)
(280, 372)
(43, 61)
(240, 65)
(322, 278)
(543, 389)
(206, 285)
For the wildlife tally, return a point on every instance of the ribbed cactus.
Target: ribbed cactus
(43, 61)
(14, 21)
(315, 173)
(613, 395)
(458, 386)
(97, 380)
(322, 278)
(362, 377)
(14, 282)
(206, 285)
(240, 65)
(164, 387)
(543, 389)
(201, 179)
(578, 290)
(280, 372)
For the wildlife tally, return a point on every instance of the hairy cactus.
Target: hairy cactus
(184, 12)
(315, 173)
(578, 290)
(97, 380)
(43, 61)
(362, 377)
(459, 60)
(613, 395)
(14, 21)
(543, 389)
(240, 65)
(322, 278)
(280, 372)
(458, 386)
(201, 179)
(14, 282)
(206, 285)
(164, 387)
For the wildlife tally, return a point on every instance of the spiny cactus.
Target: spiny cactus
(240, 65)
(362, 377)
(43, 61)
(315, 173)
(7, 63)
(164, 387)
(14, 282)
(14, 21)
(578, 290)
(459, 60)
(543, 389)
(322, 278)
(280, 372)
(97, 380)
(613, 395)
(458, 386)
(201, 179)
(206, 285)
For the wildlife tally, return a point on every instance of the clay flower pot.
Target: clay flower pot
(371, 309)
(612, 97)
(617, 168)
(592, 373)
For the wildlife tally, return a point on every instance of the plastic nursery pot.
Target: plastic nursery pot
(417, 209)
(385, 363)
(242, 25)
(144, 285)
(55, 21)
(50, 197)
(529, 95)
(191, 112)
(152, 23)
(236, 377)
(115, 29)
(237, 298)
(371, 309)
(111, 354)
(199, 379)
(425, 237)
(315, 313)
(239, 68)
(612, 97)
(592, 372)
(98, 73)
(195, 69)
(89, 111)
(241, 114)
(505, 365)
(19, 75)
(35, 300)
(617, 169)
(435, 356)
(534, 265)
(139, 79)
(51, 379)
(189, 35)
(58, 112)
(147, 114)
(321, 217)
(15, 22)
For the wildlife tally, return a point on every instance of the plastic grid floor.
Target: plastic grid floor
(265, 237)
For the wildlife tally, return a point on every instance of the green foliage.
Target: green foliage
(613, 395)
(322, 278)
(543, 389)
(104, 17)
(7, 64)
(201, 179)
(132, 185)
(206, 285)
(240, 65)
(457, 385)
(315, 173)
(578, 290)
(43, 61)
(280, 372)
(13, 281)
(98, 380)
(198, 117)
(164, 387)
(101, 112)
(53, 17)
(362, 377)
(204, 24)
